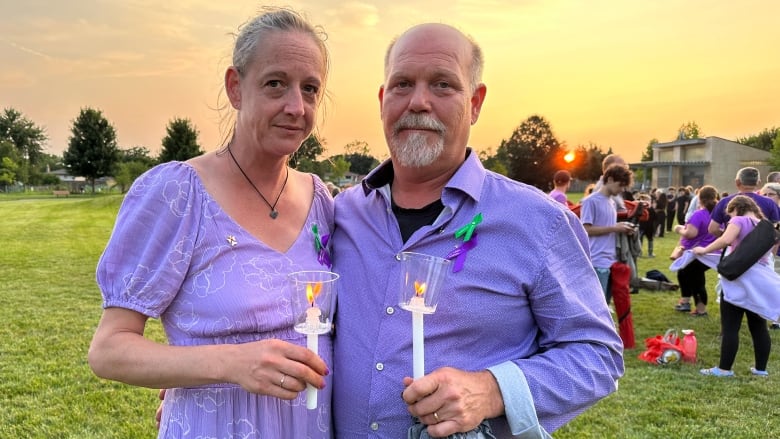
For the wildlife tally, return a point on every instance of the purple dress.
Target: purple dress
(176, 255)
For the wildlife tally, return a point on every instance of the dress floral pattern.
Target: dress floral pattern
(175, 255)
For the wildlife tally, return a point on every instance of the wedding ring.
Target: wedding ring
(436, 417)
(281, 382)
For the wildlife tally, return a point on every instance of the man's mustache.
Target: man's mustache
(418, 122)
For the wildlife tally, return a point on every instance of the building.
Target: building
(696, 162)
(80, 184)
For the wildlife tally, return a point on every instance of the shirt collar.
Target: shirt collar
(469, 178)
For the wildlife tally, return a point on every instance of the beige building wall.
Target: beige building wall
(717, 160)
(729, 157)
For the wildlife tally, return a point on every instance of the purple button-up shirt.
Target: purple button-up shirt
(527, 305)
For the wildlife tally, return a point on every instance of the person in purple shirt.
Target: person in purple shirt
(747, 183)
(695, 234)
(522, 340)
(562, 181)
(206, 246)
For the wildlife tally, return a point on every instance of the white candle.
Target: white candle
(311, 391)
(418, 347)
(313, 314)
(418, 340)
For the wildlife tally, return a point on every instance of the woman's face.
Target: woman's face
(278, 94)
(774, 195)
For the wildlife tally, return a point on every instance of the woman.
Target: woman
(206, 246)
(744, 213)
(694, 234)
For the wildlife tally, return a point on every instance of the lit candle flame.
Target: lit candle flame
(419, 288)
(313, 291)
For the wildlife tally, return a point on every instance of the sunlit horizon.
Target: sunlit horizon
(611, 74)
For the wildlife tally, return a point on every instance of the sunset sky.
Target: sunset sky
(613, 73)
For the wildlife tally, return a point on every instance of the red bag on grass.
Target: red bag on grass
(663, 349)
(620, 277)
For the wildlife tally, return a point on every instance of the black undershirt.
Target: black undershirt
(409, 220)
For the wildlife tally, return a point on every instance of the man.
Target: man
(562, 181)
(521, 336)
(609, 160)
(661, 200)
(671, 207)
(773, 177)
(599, 217)
(747, 182)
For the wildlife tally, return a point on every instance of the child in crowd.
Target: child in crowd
(744, 213)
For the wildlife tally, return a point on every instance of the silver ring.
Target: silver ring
(281, 382)
(436, 416)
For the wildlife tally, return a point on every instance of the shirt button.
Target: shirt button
(380, 366)
(374, 426)
(390, 310)
(398, 257)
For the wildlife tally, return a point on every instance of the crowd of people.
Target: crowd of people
(707, 223)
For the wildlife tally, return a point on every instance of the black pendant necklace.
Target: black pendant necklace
(274, 213)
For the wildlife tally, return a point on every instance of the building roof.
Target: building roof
(680, 142)
(672, 163)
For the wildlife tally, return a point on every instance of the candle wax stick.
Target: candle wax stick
(311, 391)
(418, 348)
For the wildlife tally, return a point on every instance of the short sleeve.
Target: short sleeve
(587, 212)
(149, 252)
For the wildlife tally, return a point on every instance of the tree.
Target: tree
(359, 156)
(646, 174)
(339, 166)
(588, 164)
(357, 147)
(136, 154)
(8, 170)
(9, 163)
(132, 163)
(127, 172)
(181, 141)
(26, 137)
(764, 140)
(310, 149)
(647, 156)
(92, 152)
(319, 168)
(690, 130)
(492, 162)
(532, 154)
(774, 158)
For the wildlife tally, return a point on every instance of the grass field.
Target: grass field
(50, 306)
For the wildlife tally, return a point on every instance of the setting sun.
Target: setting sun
(569, 157)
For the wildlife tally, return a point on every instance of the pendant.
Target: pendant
(274, 213)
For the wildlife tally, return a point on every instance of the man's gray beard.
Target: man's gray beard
(416, 151)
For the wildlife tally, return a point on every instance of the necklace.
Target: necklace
(274, 213)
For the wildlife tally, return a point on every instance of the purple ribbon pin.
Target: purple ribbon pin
(459, 253)
(321, 247)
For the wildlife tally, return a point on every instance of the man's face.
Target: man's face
(614, 187)
(426, 103)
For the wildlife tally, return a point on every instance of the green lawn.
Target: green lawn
(50, 306)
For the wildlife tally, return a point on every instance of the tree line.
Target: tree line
(531, 154)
